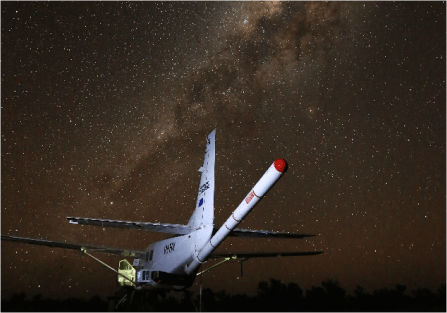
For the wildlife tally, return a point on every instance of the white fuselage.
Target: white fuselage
(163, 265)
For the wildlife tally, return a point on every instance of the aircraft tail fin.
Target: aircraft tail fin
(270, 177)
(204, 211)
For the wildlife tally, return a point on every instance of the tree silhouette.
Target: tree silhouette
(187, 304)
(272, 296)
(315, 299)
(335, 296)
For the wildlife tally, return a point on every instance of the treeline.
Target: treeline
(272, 296)
(18, 303)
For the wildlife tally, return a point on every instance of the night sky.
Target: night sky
(105, 108)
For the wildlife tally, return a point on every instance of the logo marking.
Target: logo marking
(204, 187)
(250, 196)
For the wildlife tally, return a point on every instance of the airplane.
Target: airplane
(174, 263)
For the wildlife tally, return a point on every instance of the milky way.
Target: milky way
(106, 107)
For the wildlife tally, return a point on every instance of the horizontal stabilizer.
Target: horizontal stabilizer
(156, 227)
(261, 255)
(238, 232)
(74, 246)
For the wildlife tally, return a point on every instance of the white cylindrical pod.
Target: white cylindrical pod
(271, 176)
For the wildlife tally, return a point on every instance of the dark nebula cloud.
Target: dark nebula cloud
(266, 53)
(105, 109)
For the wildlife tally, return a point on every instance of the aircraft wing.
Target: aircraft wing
(261, 255)
(238, 232)
(74, 246)
(179, 229)
(156, 227)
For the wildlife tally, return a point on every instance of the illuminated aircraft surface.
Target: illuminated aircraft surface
(174, 263)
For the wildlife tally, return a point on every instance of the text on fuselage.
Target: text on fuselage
(170, 247)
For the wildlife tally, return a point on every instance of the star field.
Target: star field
(106, 107)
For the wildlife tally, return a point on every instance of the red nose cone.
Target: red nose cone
(280, 165)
